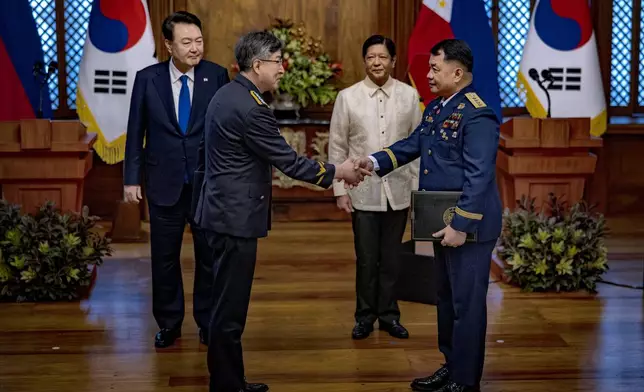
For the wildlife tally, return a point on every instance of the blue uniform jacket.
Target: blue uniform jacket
(242, 144)
(457, 146)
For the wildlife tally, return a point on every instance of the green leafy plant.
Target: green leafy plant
(309, 74)
(558, 248)
(46, 256)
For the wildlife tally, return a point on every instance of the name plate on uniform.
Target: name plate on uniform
(431, 211)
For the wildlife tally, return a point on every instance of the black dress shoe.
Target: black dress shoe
(255, 387)
(454, 387)
(361, 330)
(203, 339)
(395, 329)
(432, 383)
(166, 337)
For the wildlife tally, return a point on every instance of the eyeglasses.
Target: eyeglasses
(278, 61)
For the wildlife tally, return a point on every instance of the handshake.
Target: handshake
(352, 171)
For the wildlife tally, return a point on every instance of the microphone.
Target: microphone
(547, 76)
(53, 67)
(534, 74)
(37, 68)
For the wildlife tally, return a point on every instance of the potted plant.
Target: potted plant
(48, 255)
(309, 73)
(558, 248)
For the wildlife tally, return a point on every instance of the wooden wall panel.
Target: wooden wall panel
(159, 10)
(103, 188)
(618, 184)
(342, 25)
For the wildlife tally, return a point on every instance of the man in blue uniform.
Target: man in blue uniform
(242, 143)
(457, 142)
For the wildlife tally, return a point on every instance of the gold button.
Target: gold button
(425, 171)
(429, 152)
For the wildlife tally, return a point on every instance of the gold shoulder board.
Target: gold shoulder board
(257, 98)
(476, 101)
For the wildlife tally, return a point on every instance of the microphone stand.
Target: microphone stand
(42, 82)
(535, 76)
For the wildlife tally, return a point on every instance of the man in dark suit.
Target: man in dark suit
(169, 102)
(457, 142)
(242, 143)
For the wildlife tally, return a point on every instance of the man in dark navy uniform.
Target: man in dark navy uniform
(242, 143)
(457, 142)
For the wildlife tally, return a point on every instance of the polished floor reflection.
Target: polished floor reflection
(299, 326)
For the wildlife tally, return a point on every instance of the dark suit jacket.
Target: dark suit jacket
(168, 154)
(242, 143)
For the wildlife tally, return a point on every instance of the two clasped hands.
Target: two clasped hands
(353, 172)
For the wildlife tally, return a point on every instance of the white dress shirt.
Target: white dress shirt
(175, 80)
(367, 118)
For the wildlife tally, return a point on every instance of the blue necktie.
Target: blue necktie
(184, 104)
(184, 111)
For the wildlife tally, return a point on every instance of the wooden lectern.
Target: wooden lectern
(539, 156)
(45, 160)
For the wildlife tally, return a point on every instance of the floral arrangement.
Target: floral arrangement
(309, 73)
(562, 250)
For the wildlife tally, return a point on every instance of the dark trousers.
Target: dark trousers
(167, 226)
(464, 274)
(234, 268)
(377, 240)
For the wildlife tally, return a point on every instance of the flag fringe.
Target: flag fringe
(110, 152)
(599, 123)
(413, 84)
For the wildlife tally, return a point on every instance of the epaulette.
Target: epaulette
(258, 98)
(475, 100)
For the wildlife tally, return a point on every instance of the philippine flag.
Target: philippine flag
(561, 46)
(119, 43)
(461, 19)
(20, 49)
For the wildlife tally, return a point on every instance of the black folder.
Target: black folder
(431, 211)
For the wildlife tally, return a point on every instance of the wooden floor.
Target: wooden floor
(298, 332)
